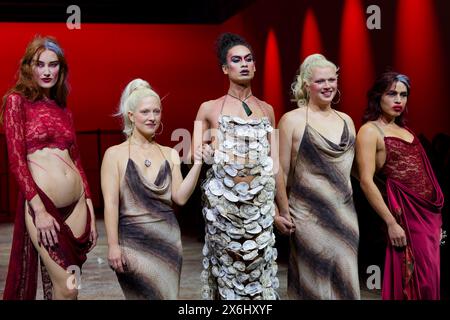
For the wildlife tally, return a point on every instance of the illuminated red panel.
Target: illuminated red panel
(177, 60)
(356, 69)
(272, 75)
(311, 42)
(418, 54)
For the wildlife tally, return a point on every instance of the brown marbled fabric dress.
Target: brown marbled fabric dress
(323, 262)
(149, 236)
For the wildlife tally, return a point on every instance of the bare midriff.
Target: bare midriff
(56, 175)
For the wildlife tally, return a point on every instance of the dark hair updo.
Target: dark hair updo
(225, 42)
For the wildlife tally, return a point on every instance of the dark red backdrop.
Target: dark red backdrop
(179, 60)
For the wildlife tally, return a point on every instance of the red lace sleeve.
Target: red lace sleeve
(75, 155)
(15, 139)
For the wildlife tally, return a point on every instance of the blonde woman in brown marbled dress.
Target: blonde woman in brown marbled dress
(316, 153)
(140, 181)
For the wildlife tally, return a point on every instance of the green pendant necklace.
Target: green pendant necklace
(244, 105)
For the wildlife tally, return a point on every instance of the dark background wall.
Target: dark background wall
(179, 61)
(413, 39)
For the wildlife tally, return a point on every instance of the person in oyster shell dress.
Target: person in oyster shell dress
(239, 210)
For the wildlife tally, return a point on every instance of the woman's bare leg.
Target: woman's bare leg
(59, 277)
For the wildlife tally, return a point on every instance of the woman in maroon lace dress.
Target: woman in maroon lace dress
(55, 217)
(413, 202)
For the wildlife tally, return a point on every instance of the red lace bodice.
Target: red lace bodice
(404, 164)
(31, 126)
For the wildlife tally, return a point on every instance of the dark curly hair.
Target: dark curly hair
(380, 87)
(225, 42)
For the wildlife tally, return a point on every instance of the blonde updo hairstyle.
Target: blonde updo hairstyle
(304, 76)
(132, 95)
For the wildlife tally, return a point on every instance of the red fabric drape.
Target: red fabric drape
(413, 272)
(21, 281)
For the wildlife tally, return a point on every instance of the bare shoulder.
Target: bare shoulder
(294, 115)
(368, 131)
(293, 118)
(205, 106)
(171, 154)
(116, 152)
(348, 120)
(167, 151)
(208, 107)
(268, 109)
(345, 116)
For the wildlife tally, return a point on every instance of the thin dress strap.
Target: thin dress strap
(378, 128)
(261, 108)
(160, 150)
(345, 122)
(307, 108)
(223, 103)
(129, 149)
(338, 115)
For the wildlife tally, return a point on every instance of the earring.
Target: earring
(162, 128)
(339, 97)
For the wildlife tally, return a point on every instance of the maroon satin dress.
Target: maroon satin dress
(416, 200)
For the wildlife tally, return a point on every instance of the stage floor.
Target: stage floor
(99, 282)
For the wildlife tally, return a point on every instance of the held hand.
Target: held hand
(198, 155)
(397, 235)
(115, 259)
(46, 227)
(284, 225)
(93, 236)
(208, 154)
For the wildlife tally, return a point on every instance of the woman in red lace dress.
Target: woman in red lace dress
(413, 202)
(55, 217)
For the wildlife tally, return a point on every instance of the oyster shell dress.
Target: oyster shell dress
(239, 257)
